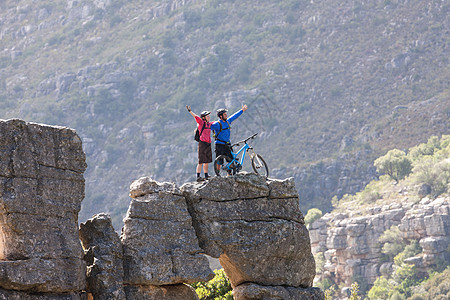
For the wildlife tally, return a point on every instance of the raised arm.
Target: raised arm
(237, 114)
(190, 111)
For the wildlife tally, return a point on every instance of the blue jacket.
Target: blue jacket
(224, 135)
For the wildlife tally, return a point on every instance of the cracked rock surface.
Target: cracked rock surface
(41, 189)
(252, 224)
(254, 227)
(159, 242)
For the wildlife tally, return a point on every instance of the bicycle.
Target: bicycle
(234, 165)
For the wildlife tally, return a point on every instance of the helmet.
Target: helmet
(204, 113)
(221, 111)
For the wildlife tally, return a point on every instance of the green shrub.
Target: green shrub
(312, 215)
(295, 33)
(371, 192)
(400, 286)
(170, 57)
(434, 173)
(354, 291)
(319, 259)
(212, 17)
(327, 285)
(412, 249)
(395, 164)
(217, 288)
(380, 289)
(336, 91)
(392, 242)
(193, 19)
(406, 277)
(116, 19)
(436, 287)
(434, 146)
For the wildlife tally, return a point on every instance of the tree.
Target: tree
(395, 164)
(380, 289)
(392, 242)
(312, 215)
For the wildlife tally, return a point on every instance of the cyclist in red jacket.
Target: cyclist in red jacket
(204, 145)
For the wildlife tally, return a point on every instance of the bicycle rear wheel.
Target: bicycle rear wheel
(259, 165)
(220, 163)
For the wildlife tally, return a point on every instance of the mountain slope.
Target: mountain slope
(329, 85)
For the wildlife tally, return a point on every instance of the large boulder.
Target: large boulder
(41, 189)
(60, 275)
(165, 292)
(104, 256)
(251, 291)
(254, 227)
(160, 244)
(17, 295)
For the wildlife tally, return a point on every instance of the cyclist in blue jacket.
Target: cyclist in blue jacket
(221, 130)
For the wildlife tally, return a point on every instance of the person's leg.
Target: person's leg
(208, 157)
(227, 150)
(199, 170)
(219, 150)
(205, 170)
(199, 165)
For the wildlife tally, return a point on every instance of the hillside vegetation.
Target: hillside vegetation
(421, 174)
(330, 84)
(423, 171)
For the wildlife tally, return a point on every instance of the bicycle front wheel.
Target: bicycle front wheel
(220, 163)
(259, 165)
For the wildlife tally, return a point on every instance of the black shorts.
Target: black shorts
(222, 149)
(204, 153)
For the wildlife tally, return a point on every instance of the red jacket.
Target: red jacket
(206, 134)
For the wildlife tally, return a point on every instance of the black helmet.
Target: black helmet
(221, 111)
(204, 113)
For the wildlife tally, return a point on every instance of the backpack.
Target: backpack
(198, 134)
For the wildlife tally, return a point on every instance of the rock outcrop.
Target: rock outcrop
(350, 244)
(104, 257)
(252, 224)
(255, 228)
(41, 189)
(160, 245)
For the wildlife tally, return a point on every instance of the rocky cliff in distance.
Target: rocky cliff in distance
(349, 240)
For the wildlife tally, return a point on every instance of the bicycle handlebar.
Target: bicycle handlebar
(245, 141)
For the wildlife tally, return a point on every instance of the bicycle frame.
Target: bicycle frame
(244, 149)
(235, 155)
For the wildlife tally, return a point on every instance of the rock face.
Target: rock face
(41, 189)
(350, 244)
(253, 225)
(104, 256)
(251, 291)
(255, 228)
(160, 245)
